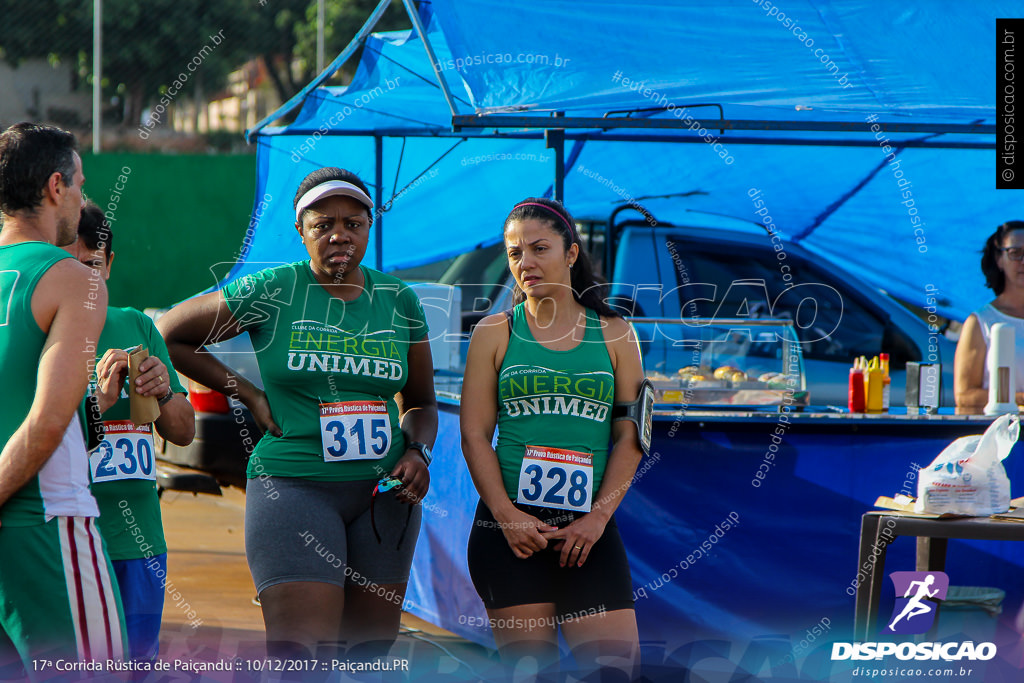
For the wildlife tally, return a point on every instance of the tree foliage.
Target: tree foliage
(292, 25)
(148, 46)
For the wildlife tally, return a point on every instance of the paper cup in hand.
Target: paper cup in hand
(144, 409)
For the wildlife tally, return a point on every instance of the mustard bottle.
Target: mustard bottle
(873, 387)
(883, 359)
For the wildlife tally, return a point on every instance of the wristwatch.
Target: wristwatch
(424, 450)
(162, 401)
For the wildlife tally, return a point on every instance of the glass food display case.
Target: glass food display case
(728, 363)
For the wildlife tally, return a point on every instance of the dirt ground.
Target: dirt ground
(210, 614)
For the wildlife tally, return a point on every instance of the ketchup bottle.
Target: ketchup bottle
(856, 393)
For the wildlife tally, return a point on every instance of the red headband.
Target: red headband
(572, 228)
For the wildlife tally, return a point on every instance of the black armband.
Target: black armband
(640, 412)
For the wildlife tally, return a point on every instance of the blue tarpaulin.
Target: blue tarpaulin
(897, 215)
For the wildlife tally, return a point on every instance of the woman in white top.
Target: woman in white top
(1002, 262)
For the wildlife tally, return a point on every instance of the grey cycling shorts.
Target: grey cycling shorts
(321, 531)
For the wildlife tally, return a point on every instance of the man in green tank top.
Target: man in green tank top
(58, 596)
(123, 467)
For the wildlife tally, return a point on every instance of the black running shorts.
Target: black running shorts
(603, 583)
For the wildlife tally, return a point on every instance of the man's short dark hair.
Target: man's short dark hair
(29, 154)
(94, 229)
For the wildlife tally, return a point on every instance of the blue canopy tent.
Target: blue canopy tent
(868, 127)
(799, 88)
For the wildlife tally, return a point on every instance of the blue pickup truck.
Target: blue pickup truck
(692, 272)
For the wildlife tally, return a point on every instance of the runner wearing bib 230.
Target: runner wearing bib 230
(544, 549)
(123, 466)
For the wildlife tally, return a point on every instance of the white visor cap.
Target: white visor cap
(329, 189)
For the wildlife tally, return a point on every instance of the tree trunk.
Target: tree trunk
(200, 105)
(134, 102)
(279, 85)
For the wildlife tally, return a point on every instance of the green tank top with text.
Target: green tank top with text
(330, 368)
(560, 400)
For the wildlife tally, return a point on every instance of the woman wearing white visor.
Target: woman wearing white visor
(337, 342)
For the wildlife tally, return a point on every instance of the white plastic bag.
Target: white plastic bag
(968, 477)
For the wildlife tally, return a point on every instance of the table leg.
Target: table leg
(931, 554)
(862, 609)
(931, 557)
(876, 572)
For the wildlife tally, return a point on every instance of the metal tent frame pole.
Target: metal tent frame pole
(378, 199)
(499, 121)
(414, 17)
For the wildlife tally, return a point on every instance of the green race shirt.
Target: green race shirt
(61, 487)
(330, 369)
(554, 400)
(123, 470)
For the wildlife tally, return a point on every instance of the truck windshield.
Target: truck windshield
(480, 274)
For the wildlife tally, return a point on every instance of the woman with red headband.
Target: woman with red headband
(544, 550)
(336, 343)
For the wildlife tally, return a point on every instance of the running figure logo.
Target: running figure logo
(914, 612)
